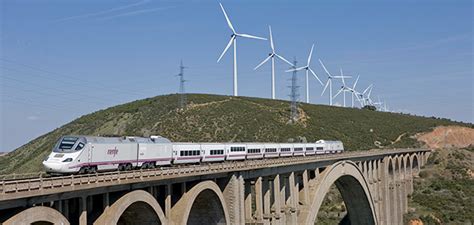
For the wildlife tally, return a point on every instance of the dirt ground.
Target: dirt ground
(448, 137)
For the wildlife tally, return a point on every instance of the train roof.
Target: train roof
(327, 142)
(108, 140)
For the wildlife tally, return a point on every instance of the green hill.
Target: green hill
(225, 118)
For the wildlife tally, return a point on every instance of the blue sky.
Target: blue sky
(63, 59)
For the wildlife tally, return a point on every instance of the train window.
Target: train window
(270, 150)
(298, 149)
(237, 149)
(79, 146)
(285, 149)
(254, 150)
(319, 148)
(309, 149)
(217, 152)
(67, 143)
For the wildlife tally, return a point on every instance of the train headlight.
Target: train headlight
(68, 160)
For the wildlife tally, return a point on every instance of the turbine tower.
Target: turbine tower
(233, 41)
(308, 69)
(271, 56)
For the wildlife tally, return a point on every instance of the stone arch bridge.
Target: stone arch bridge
(374, 186)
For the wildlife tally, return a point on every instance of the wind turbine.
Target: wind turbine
(233, 40)
(368, 96)
(272, 55)
(308, 69)
(354, 92)
(366, 100)
(344, 88)
(329, 82)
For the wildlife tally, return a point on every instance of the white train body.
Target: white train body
(330, 147)
(255, 150)
(213, 152)
(82, 154)
(71, 153)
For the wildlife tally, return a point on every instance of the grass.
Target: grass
(224, 118)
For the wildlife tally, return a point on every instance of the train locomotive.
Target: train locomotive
(90, 154)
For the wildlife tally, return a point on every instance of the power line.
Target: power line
(75, 78)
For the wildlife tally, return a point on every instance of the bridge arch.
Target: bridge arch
(135, 205)
(38, 214)
(354, 189)
(203, 204)
(415, 164)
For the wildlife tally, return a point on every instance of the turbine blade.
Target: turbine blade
(281, 57)
(263, 62)
(310, 54)
(226, 48)
(271, 39)
(370, 92)
(314, 74)
(339, 92)
(355, 83)
(296, 69)
(327, 84)
(251, 36)
(322, 64)
(342, 77)
(366, 89)
(357, 96)
(227, 18)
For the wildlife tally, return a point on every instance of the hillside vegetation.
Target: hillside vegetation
(225, 118)
(444, 192)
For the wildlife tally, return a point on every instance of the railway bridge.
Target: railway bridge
(374, 186)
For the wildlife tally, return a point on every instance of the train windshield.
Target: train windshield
(66, 144)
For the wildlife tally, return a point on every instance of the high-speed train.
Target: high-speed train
(89, 154)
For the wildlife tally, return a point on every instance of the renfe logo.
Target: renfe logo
(112, 151)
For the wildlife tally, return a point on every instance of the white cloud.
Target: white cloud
(32, 117)
(137, 12)
(102, 12)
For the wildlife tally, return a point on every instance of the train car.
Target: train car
(271, 150)
(319, 148)
(255, 150)
(236, 151)
(298, 149)
(331, 147)
(81, 154)
(186, 153)
(212, 152)
(286, 149)
(310, 149)
(154, 151)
